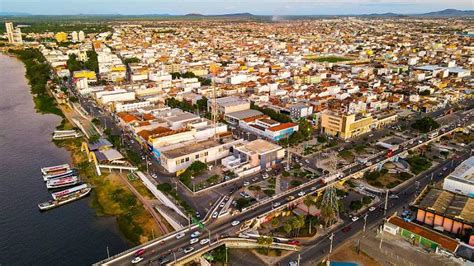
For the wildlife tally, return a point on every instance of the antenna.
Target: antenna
(214, 105)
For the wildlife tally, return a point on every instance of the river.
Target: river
(69, 235)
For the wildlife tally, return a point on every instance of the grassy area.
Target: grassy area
(418, 164)
(330, 59)
(111, 197)
(384, 179)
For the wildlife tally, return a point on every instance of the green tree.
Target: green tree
(265, 241)
(308, 202)
(425, 124)
(73, 64)
(287, 227)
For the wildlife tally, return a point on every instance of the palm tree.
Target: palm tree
(287, 227)
(308, 202)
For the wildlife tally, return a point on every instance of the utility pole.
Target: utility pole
(330, 246)
(226, 258)
(381, 236)
(299, 259)
(365, 220)
(386, 203)
(108, 253)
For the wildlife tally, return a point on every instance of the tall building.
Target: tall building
(74, 36)
(14, 34)
(81, 36)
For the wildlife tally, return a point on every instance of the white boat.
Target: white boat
(67, 173)
(65, 199)
(62, 182)
(57, 169)
(62, 193)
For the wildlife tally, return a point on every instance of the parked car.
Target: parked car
(294, 242)
(193, 240)
(246, 183)
(355, 218)
(204, 241)
(276, 204)
(214, 215)
(180, 235)
(371, 209)
(301, 193)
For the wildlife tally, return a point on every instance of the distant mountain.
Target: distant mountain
(194, 15)
(383, 15)
(11, 14)
(449, 13)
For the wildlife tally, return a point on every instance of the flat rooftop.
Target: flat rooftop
(193, 147)
(259, 146)
(240, 115)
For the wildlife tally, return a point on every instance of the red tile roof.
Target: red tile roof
(282, 126)
(443, 241)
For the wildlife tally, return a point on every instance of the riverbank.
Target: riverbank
(110, 196)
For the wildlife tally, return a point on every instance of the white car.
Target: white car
(276, 204)
(301, 194)
(214, 215)
(195, 234)
(137, 260)
(371, 209)
(180, 235)
(194, 240)
(235, 223)
(204, 241)
(313, 188)
(355, 218)
(188, 249)
(246, 183)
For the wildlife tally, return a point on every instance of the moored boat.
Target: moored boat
(62, 182)
(63, 193)
(64, 199)
(70, 172)
(57, 169)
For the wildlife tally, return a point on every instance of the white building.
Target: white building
(13, 33)
(461, 181)
(81, 36)
(74, 36)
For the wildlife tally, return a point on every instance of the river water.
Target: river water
(69, 235)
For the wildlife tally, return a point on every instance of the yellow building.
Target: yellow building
(89, 75)
(347, 126)
(61, 36)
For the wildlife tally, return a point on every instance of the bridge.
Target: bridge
(257, 213)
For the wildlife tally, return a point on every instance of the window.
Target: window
(187, 159)
(196, 156)
(206, 153)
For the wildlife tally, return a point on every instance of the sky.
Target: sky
(209, 7)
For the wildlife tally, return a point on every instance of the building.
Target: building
(445, 211)
(234, 118)
(254, 156)
(347, 126)
(61, 36)
(461, 180)
(13, 34)
(87, 74)
(81, 36)
(74, 36)
(298, 111)
(230, 104)
(178, 158)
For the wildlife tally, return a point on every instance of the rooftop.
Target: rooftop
(259, 146)
(244, 114)
(446, 203)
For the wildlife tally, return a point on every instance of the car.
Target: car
(143, 157)
(293, 263)
(193, 240)
(204, 241)
(393, 196)
(198, 215)
(301, 193)
(180, 235)
(371, 209)
(246, 196)
(313, 188)
(222, 204)
(355, 218)
(246, 183)
(188, 249)
(224, 235)
(445, 168)
(276, 204)
(235, 223)
(195, 234)
(346, 229)
(306, 161)
(254, 179)
(215, 214)
(265, 176)
(137, 260)
(290, 198)
(149, 163)
(294, 242)
(139, 252)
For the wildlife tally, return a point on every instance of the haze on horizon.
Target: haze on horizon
(208, 7)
